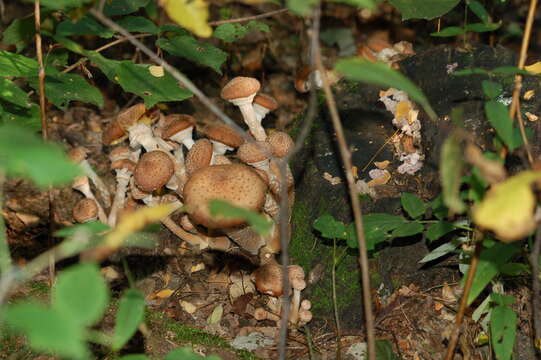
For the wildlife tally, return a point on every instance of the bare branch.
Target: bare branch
(248, 18)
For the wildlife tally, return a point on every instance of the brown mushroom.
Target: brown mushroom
(81, 184)
(199, 156)
(297, 282)
(180, 129)
(237, 184)
(241, 91)
(268, 279)
(280, 143)
(117, 130)
(154, 170)
(124, 169)
(223, 138)
(255, 154)
(85, 210)
(78, 155)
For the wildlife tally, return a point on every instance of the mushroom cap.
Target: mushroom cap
(78, 154)
(130, 116)
(237, 184)
(240, 87)
(199, 156)
(268, 279)
(137, 193)
(119, 153)
(266, 101)
(281, 143)
(296, 277)
(113, 134)
(252, 152)
(153, 170)
(224, 134)
(123, 164)
(177, 123)
(85, 210)
(301, 80)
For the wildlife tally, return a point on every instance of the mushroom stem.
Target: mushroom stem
(249, 116)
(123, 179)
(262, 314)
(141, 134)
(295, 304)
(97, 181)
(81, 184)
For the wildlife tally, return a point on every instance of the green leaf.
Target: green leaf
(81, 293)
(376, 227)
(449, 31)
(256, 25)
(19, 32)
(12, 93)
(370, 4)
(229, 32)
(142, 239)
(351, 238)
(61, 89)
(93, 227)
(17, 65)
(84, 26)
(138, 24)
(380, 74)
(500, 299)
(197, 51)
(422, 9)
(503, 328)
(480, 27)
(514, 269)
(474, 71)
(187, 354)
(489, 262)
(131, 310)
(64, 4)
(509, 70)
(341, 37)
(301, 7)
(408, 229)
(441, 250)
(491, 89)
(134, 357)
(451, 165)
(57, 59)
(498, 117)
(414, 206)
(28, 118)
(47, 330)
(24, 154)
(258, 222)
(123, 7)
(439, 209)
(437, 230)
(478, 9)
(137, 79)
(173, 30)
(330, 228)
(384, 350)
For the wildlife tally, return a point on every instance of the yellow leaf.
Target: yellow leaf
(135, 222)
(216, 315)
(190, 14)
(535, 68)
(165, 293)
(508, 207)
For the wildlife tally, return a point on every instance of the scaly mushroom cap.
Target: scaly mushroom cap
(177, 123)
(119, 153)
(130, 116)
(240, 87)
(266, 101)
(252, 152)
(123, 164)
(224, 134)
(281, 143)
(113, 134)
(153, 170)
(78, 154)
(85, 210)
(199, 156)
(237, 184)
(268, 279)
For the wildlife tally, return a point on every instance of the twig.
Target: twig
(248, 18)
(335, 302)
(463, 302)
(524, 137)
(345, 154)
(522, 59)
(536, 301)
(44, 130)
(102, 48)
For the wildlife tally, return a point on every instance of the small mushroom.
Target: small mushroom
(241, 91)
(180, 129)
(296, 280)
(117, 130)
(237, 184)
(81, 184)
(223, 138)
(268, 279)
(280, 143)
(199, 156)
(255, 154)
(124, 169)
(262, 314)
(85, 210)
(247, 238)
(154, 170)
(263, 104)
(78, 155)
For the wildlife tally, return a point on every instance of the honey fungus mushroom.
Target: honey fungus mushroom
(153, 170)
(237, 184)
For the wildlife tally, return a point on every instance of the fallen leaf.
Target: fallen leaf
(531, 117)
(198, 267)
(333, 180)
(216, 315)
(163, 294)
(190, 14)
(529, 94)
(382, 180)
(438, 306)
(447, 293)
(508, 207)
(534, 68)
(402, 110)
(382, 164)
(187, 306)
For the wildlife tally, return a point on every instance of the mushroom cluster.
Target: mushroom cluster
(164, 163)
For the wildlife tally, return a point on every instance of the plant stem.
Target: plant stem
(345, 154)
(5, 257)
(248, 18)
(335, 303)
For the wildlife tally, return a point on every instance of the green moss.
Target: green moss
(39, 288)
(186, 334)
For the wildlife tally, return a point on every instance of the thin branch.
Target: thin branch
(355, 203)
(536, 301)
(248, 18)
(463, 301)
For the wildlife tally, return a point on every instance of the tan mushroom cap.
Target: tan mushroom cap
(252, 152)
(113, 134)
(78, 154)
(237, 184)
(119, 153)
(199, 156)
(268, 279)
(131, 115)
(224, 134)
(281, 143)
(301, 79)
(176, 123)
(123, 164)
(85, 210)
(266, 101)
(153, 170)
(240, 87)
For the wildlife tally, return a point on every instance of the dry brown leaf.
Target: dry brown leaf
(333, 180)
(197, 267)
(531, 117)
(493, 171)
(187, 306)
(529, 94)
(382, 180)
(447, 293)
(382, 164)
(438, 306)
